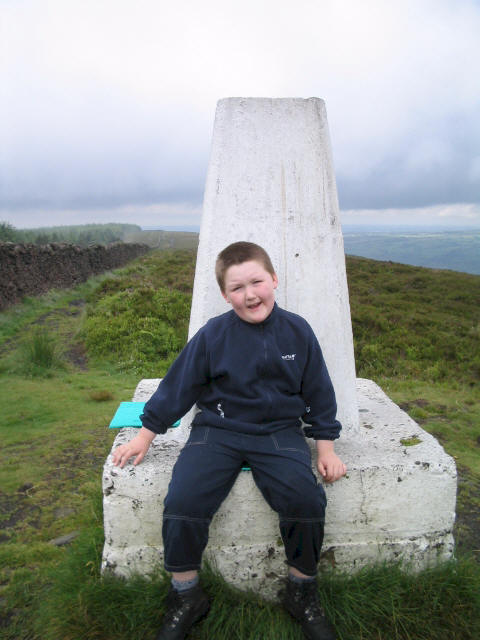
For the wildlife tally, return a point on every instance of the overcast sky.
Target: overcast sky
(107, 106)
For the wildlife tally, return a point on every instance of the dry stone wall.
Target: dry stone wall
(29, 269)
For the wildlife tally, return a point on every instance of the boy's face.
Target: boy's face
(250, 289)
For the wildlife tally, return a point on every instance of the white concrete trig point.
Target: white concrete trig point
(271, 181)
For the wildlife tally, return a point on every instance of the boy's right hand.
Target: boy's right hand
(137, 447)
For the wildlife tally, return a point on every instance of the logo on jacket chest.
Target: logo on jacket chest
(289, 356)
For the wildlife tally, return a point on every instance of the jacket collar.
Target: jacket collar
(270, 319)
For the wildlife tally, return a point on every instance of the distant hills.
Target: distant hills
(456, 250)
(163, 239)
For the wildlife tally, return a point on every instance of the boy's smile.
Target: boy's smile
(250, 289)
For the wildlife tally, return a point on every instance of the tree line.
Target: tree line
(80, 235)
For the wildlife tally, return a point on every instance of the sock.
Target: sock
(299, 580)
(184, 585)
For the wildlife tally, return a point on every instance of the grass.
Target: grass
(33, 309)
(55, 440)
(138, 320)
(48, 424)
(73, 601)
(414, 323)
(39, 353)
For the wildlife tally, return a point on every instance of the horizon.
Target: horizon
(437, 247)
(346, 227)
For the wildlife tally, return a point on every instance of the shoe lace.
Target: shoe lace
(174, 608)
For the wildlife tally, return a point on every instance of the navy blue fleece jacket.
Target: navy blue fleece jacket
(251, 378)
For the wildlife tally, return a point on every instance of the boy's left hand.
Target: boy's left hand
(329, 465)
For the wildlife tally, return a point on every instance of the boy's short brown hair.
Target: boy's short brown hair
(237, 253)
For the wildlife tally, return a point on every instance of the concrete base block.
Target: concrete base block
(397, 501)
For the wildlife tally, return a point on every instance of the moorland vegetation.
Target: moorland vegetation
(69, 357)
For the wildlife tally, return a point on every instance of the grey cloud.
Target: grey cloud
(107, 127)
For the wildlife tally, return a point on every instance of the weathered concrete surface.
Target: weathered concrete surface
(397, 501)
(271, 181)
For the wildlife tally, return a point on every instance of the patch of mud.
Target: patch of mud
(77, 303)
(16, 511)
(24, 509)
(66, 467)
(77, 355)
(421, 403)
(72, 351)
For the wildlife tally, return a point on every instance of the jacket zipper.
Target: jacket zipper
(265, 354)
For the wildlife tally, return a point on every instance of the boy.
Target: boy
(253, 372)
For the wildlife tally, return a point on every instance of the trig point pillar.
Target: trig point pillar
(271, 181)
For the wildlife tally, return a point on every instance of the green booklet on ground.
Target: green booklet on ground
(128, 415)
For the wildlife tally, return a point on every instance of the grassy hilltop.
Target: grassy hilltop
(68, 358)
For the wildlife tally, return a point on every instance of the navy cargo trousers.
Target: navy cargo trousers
(206, 470)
